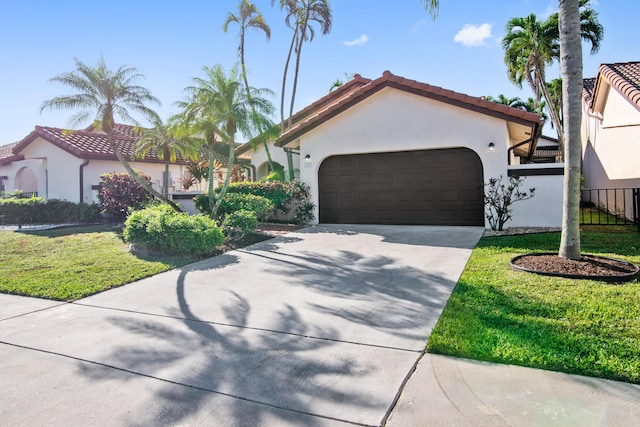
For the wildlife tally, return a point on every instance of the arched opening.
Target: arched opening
(27, 182)
(263, 170)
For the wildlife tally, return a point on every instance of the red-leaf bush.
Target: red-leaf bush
(120, 193)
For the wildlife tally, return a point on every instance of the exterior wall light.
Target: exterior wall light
(307, 158)
(492, 146)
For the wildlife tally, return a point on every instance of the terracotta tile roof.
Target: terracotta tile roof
(7, 156)
(347, 96)
(89, 144)
(7, 150)
(623, 76)
(588, 86)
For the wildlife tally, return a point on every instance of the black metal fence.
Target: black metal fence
(610, 206)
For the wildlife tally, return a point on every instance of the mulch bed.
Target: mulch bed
(589, 266)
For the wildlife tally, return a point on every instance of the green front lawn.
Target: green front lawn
(577, 326)
(67, 264)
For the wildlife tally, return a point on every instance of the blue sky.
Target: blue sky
(170, 42)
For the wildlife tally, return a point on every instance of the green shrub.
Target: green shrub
(161, 228)
(36, 210)
(233, 202)
(201, 202)
(240, 223)
(278, 192)
(21, 211)
(285, 197)
(120, 193)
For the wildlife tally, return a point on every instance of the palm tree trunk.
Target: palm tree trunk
(555, 118)
(284, 78)
(212, 202)
(571, 68)
(295, 75)
(137, 178)
(227, 179)
(165, 180)
(244, 69)
(246, 85)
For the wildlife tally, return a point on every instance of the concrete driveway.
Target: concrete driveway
(322, 326)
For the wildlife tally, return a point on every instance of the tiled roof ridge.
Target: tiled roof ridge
(621, 75)
(341, 91)
(390, 79)
(588, 86)
(87, 144)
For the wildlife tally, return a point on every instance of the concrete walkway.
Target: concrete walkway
(321, 327)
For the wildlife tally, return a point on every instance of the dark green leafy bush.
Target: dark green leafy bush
(239, 223)
(36, 210)
(233, 202)
(284, 196)
(120, 193)
(160, 228)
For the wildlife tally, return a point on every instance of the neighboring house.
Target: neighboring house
(547, 151)
(66, 164)
(397, 151)
(611, 135)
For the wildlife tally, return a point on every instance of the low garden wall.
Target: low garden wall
(545, 208)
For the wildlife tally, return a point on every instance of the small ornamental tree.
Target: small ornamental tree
(498, 198)
(119, 193)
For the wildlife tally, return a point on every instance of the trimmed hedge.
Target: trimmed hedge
(36, 210)
(233, 202)
(284, 196)
(161, 228)
(240, 222)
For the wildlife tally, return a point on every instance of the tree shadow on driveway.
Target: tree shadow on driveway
(256, 376)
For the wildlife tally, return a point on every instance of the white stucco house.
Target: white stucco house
(63, 164)
(397, 151)
(611, 138)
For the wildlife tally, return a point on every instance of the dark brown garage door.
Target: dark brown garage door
(437, 187)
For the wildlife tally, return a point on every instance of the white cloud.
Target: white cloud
(473, 35)
(363, 39)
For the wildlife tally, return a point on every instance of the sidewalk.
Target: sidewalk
(446, 391)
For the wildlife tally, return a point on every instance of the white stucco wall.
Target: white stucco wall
(393, 120)
(544, 209)
(58, 172)
(611, 146)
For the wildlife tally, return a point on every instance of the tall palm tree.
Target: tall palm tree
(555, 91)
(591, 30)
(308, 11)
(249, 17)
(530, 105)
(106, 94)
(530, 47)
(219, 107)
(300, 16)
(161, 140)
(502, 99)
(571, 71)
(291, 22)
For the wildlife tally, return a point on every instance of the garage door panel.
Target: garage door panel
(419, 187)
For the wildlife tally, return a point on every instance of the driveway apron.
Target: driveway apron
(319, 327)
